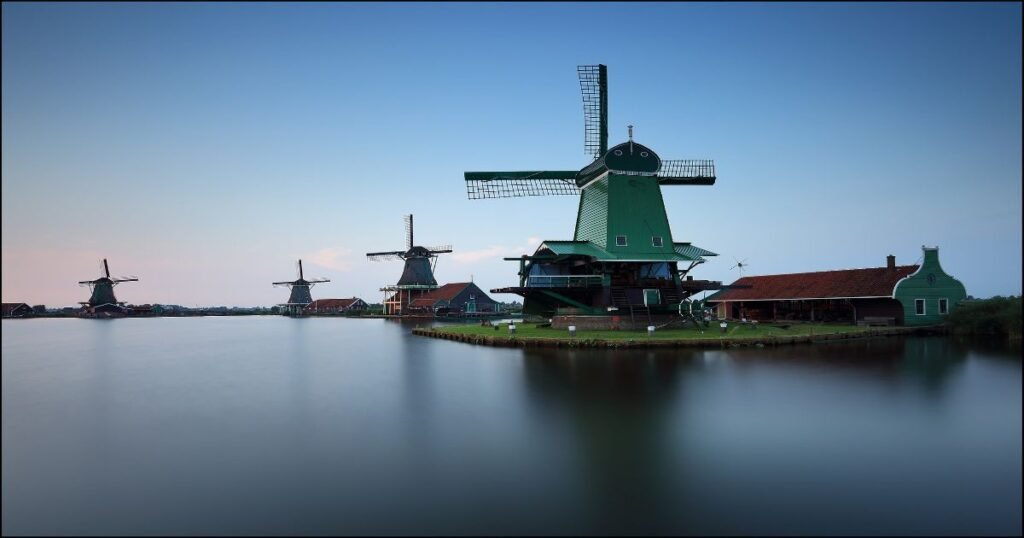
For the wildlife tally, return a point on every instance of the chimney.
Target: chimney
(890, 262)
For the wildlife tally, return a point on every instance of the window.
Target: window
(919, 307)
(943, 306)
(620, 240)
(657, 241)
(659, 270)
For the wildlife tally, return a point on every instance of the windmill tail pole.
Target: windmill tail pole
(106, 269)
(300, 269)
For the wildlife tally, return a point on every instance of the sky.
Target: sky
(206, 147)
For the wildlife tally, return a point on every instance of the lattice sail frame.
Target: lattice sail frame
(502, 185)
(512, 187)
(594, 87)
(678, 168)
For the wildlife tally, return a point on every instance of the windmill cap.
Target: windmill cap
(632, 157)
(417, 252)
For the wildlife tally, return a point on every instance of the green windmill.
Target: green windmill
(622, 259)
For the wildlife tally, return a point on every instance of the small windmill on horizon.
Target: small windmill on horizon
(102, 299)
(418, 273)
(300, 296)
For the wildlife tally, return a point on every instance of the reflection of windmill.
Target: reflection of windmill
(741, 265)
(102, 298)
(418, 274)
(300, 296)
(622, 255)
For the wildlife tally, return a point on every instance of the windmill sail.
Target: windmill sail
(385, 256)
(687, 172)
(408, 232)
(480, 185)
(594, 86)
(440, 249)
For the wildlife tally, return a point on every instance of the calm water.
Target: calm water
(263, 425)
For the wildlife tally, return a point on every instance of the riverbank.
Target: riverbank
(531, 335)
(997, 316)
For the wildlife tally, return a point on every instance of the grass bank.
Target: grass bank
(736, 334)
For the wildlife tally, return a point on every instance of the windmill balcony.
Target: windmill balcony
(565, 281)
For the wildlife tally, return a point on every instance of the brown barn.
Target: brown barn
(845, 295)
(460, 298)
(16, 310)
(336, 306)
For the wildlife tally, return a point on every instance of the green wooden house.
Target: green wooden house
(928, 294)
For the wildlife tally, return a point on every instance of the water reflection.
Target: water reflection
(681, 441)
(619, 405)
(337, 426)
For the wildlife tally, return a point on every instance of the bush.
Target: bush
(995, 316)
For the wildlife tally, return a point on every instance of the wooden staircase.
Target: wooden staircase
(670, 296)
(619, 297)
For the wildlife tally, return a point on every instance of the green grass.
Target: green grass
(734, 331)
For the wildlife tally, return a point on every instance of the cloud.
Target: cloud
(337, 258)
(495, 252)
(474, 256)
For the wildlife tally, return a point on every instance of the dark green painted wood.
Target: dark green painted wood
(931, 284)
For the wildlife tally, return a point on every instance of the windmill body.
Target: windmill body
(623, 258)
(300, 295)
(417, 274)
(102, 299)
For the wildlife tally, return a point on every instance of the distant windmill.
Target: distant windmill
(418, 274)
(300, 296)
(102, 298)
(741, 265)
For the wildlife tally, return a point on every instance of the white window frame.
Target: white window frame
(659, 240)
(944, 301)
(924, 307)
(625, 241)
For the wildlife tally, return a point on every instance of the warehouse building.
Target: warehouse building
(912, 295)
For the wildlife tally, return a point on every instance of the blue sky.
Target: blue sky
(205, 147)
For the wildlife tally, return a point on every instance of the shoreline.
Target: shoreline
(642, 341)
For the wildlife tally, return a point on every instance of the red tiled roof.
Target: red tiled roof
(324, 304)
(873, 282)
(444, 293)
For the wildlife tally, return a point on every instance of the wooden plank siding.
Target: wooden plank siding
(931, 284)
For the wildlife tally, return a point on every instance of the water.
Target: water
(269, 425)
